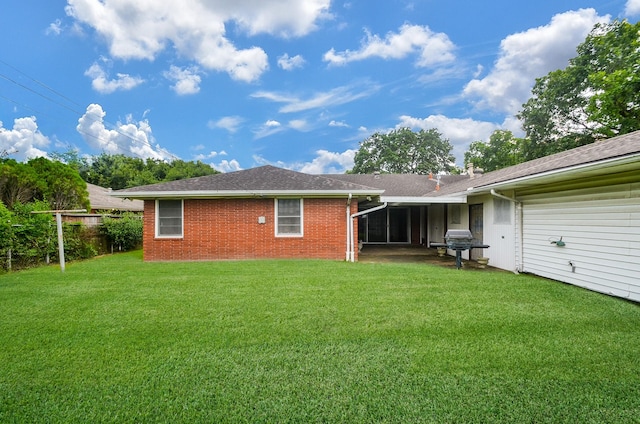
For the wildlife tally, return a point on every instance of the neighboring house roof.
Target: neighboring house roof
(262, 181)
(101, 200)
(622, 152)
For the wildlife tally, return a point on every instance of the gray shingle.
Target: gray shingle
(264, 178)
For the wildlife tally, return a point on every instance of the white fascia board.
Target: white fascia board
(551, 176)
(423, 200)
(208, 194)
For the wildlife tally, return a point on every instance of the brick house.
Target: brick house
(264, 212)
(573, 216)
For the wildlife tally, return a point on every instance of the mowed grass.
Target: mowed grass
(118, 340)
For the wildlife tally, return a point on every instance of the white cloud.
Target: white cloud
(24, 141)
(290, 63)
(196, 28)
(229, 123)
(102, 84)
(529, 55)
(632, 8)
(210, 155)
(298, 124)
(270, 127)
(54, 28)
(432, 48)
(325, 162)
(337, 96)
(187, 80)
(227, 166)
(460, 132)
(338, 124)
(129, 138)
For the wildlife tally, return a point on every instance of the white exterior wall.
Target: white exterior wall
(601, 229)
(499, 235)
(436, 223)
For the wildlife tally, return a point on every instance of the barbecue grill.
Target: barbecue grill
(459, 240)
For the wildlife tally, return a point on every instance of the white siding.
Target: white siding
(499, 235)
(436, 223)
(601, 229)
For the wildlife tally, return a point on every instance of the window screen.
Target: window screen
(289, 217)
(169, 218)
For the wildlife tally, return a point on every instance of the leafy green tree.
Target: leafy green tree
(6, 228)
(403, 151)
(596, 96)
(120, 171)
(502, 150)
(64, 187)
(19, 183)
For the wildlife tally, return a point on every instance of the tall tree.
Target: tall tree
(19, 183)
(64, 188)
(502, 150)
(596, 96)
(403, 151)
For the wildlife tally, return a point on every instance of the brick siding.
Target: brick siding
(216, 229)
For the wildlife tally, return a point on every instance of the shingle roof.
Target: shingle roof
(100, 199)
(616, 147)
(262, 179)
(272, 179)
(400, 185)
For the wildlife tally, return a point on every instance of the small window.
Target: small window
(501, 211)
(288, 217)
(169, 218)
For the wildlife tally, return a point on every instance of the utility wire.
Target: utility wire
(45, 86)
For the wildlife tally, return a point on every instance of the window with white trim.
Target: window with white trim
(169, 218)
(288, 217)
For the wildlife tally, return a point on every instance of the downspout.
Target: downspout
(355, 215)
(349, 235)
(520, 229)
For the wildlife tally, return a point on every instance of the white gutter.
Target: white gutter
(349, 235)
(208, 194)
(462, 198)
(518, 205)
(352, 257)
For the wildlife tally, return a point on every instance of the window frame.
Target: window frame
(158, 218)
(277, 218)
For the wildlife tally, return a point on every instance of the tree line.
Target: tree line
(596, 96)
(41, 184)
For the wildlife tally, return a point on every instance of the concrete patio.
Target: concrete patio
(372, 253)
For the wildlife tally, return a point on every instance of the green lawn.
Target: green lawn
(118, 340)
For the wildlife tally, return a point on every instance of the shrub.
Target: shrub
(125, 231)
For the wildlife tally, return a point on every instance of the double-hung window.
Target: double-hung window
(169, 218)
(289, 217)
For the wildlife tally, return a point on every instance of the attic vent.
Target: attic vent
(376, 175)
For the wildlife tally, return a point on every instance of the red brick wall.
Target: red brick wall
(229, 229)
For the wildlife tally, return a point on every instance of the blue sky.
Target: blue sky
(292, 83)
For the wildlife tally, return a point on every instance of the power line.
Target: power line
(112, 126)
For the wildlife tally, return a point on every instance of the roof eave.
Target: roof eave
(551, 176)
(424, 200)
(210, 194)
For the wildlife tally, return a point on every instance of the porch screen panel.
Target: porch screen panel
(398, 225)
